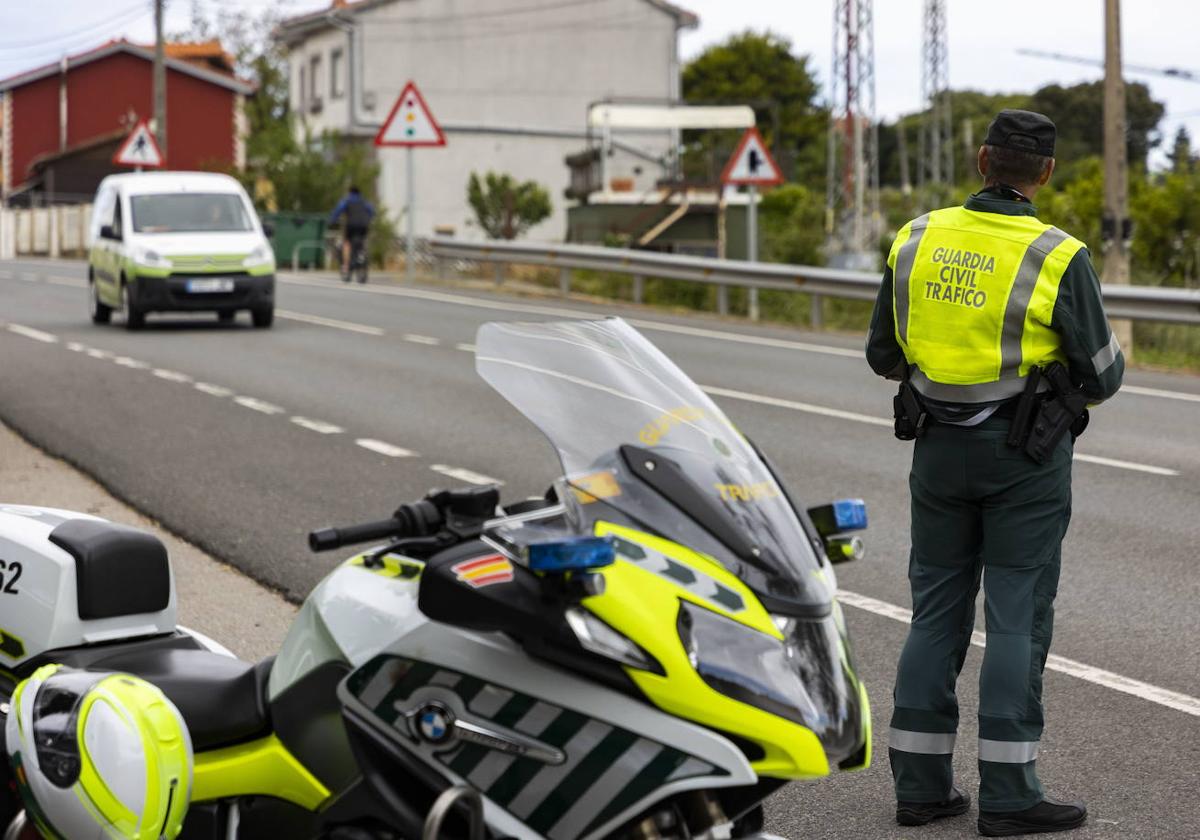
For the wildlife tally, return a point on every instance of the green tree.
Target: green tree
(1078, 111)
(1181, 156)
(760, 69)
(792, 219)
(504, 208)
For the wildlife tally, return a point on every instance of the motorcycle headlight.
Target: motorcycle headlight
(798, 677)
(150, 258)
(259, 256)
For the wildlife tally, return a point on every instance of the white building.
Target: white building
(510, 81)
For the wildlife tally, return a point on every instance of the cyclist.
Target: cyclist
(358, 212)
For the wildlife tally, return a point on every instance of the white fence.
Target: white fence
(44, 231)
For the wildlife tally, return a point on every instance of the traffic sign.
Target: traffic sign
(410, 123)
(140, 149)
(752, 164)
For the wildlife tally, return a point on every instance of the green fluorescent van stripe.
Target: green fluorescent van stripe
(556, 734)
(650, 777)
(577, 782)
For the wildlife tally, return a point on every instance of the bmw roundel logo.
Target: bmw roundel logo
(435, 723)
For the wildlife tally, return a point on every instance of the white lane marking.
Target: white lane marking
(466, 348)
(258, 405)
(97, 353)
(172, 375)
(30, 332)
(317, 426)
(421, 339)
(1159, 392)
(212, 390)
(1124, 465)
(385, 448)
(469, 476)
(795, 406)
(125, 361)
(564, 312)
(1098, 676)
(76, 347)
(349, 326)
(29, 278)
(762, 399)
(66, 281)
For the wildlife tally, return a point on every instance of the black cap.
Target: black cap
(1024, 131)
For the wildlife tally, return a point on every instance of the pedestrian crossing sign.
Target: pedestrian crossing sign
(752, 164)
(140, 149)
(410, 123)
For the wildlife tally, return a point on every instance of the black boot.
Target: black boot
(920, 813)
(1046, 816)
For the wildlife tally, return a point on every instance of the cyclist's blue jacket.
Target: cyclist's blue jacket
(358, 210)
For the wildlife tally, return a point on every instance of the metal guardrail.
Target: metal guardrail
(1149, 303)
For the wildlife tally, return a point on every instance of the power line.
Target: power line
(89, 30)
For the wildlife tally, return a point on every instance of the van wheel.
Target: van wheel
(263, 317)
(135, 318)
(101, 314)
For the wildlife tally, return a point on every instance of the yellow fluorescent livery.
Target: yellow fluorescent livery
(644, 606)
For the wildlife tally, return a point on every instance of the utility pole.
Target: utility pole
(937, 132)
(1115, 228)
(160, 81)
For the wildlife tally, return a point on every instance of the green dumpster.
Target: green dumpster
(298, 238)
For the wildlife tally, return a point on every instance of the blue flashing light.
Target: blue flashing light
(850, 514)
(571, 555)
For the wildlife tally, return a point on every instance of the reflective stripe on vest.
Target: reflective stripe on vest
(974, 295)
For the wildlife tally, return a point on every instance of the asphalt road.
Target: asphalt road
(242, 440)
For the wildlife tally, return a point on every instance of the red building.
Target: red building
(61, 124)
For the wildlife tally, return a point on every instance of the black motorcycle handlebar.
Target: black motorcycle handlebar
(414, 519)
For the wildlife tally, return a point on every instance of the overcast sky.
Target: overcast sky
(984, 37)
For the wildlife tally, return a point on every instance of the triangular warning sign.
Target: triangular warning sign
(752, 164)
(140, 149)
(410, 123)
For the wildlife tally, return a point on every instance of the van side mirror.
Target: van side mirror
(107, 232)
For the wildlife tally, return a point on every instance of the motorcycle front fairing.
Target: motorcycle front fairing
(648, 457)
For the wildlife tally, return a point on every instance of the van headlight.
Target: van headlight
(259, 256)
(150, 258)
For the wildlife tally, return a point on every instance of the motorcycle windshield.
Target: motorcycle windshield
(637, 436)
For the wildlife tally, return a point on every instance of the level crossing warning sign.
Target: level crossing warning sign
(140, 149)
(752, 164)
(410, 123)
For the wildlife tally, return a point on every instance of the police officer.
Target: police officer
(972, 299)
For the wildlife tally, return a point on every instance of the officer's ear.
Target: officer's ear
(981, 161)
(1047, 171)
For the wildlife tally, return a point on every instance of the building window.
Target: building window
(314, 82)
(302, 96)
(336, 85)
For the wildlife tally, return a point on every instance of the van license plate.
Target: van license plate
(208, 285)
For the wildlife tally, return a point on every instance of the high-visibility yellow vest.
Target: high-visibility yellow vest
(973, 295)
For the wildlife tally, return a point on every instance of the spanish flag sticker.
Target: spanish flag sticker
(484, 571)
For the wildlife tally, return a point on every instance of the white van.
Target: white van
(178, 242)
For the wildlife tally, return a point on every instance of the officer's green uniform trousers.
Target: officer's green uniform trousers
(979, 508)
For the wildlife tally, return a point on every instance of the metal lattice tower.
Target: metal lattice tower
(937, 133)
(852, 188)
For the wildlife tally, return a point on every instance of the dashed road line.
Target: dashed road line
(76, 347)
(66, 281)
(213, 390)
(171, 375)
(462, 474)
(1098, 676)
(1159, 392)
(30, 332)
(97, 353)
(348, 326)
(382, 448)
(133, 364)
(421, 339)
(855, 417)
(255, 404)
(319, 426)
(465, 347)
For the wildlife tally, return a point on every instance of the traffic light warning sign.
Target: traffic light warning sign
(752, 164)
(140, 149)
(410, 123)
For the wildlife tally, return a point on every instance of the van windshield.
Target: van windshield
(189, 213)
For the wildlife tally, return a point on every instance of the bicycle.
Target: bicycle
(358, 263)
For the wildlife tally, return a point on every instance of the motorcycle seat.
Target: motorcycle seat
(222, 700)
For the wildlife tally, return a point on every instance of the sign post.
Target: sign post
(410, 124)
(752, 165)
(140, 149)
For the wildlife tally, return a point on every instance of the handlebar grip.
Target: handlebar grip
(327, 539)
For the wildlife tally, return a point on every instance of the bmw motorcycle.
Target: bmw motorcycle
(648, 651)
